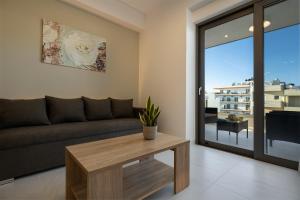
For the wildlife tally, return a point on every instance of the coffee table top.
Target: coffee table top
(98, 155)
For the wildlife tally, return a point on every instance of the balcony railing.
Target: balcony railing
(232, 94)
(274, 104)
(235, 102)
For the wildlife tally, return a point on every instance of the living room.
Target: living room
(222, 120)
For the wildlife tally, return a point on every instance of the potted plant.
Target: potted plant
(149, 120)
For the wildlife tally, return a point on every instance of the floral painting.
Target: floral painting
(63, 45)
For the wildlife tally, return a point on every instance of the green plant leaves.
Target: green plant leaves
(150, 116)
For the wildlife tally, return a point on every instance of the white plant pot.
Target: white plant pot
(149, 132)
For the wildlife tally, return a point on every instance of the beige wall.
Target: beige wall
(26, 77)
(1, 46)
(163, 65)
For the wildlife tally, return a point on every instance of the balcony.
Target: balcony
(274, 89)
(232, 94)
(274, 104)
(290, 108)
(292, 92)
(235, 102)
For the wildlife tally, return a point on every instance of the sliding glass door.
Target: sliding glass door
(229, 83)
(249, 82)
(282, 80)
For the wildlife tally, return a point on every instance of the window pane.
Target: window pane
(229, 83)
(282, 80)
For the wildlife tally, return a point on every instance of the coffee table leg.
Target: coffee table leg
(247, 133)
(181, 167)
(237, 138)
(69, 176)
(107, 184)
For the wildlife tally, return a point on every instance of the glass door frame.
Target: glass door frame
(256, 8)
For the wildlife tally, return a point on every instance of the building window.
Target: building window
(247, 107)
(276, 97)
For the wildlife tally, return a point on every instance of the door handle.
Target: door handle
(200, 90)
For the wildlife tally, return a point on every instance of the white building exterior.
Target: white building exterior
(235, 99)
(239, 98)
(279, 96)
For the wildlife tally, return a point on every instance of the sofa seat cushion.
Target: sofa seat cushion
(19, 137)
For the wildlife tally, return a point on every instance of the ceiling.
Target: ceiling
(143, 5)
(131, 13)
(146, 6)
(280, 15)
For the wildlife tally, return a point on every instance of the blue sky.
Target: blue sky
(233, 62)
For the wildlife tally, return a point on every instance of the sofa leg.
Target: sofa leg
(7, 181)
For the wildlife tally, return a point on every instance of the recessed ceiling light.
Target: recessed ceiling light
(251, 28)
(226, 36)
(266, 24)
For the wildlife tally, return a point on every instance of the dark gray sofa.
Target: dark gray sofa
(29, 149)
(283, 126)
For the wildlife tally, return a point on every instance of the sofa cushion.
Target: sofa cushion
(15, 113)
(97, 109)
(65, 110)
(122, 108)
(24, 136)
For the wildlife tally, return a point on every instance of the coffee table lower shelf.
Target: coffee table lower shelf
(139, 180)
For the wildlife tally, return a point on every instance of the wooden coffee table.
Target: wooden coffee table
(96, 170)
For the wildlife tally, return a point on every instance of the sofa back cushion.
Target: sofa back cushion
(65, 110)
(16, 113)
(122, 108)
(97, 109)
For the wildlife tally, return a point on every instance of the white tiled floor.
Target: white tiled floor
(215, 175)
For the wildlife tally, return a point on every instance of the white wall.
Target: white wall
(163, 63)
(167, 61)
(190, 76)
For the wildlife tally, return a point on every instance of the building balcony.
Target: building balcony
(234, 110)
(231, 94)
(274, 104)
(290, 108)
(235, 102)
(292, 92)
(277, 90)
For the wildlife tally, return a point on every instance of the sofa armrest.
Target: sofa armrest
(137, 110)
